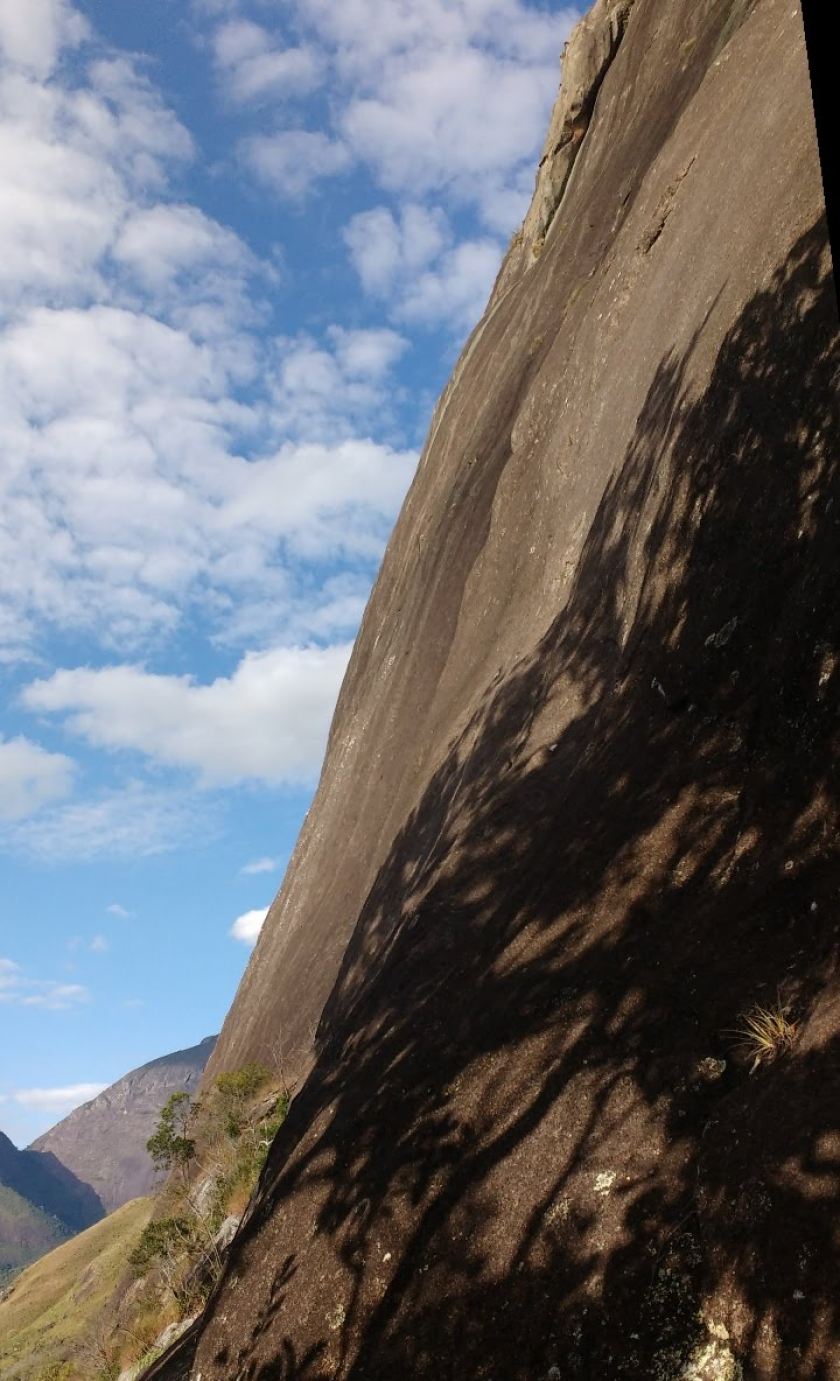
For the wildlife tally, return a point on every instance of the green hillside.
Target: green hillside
(51, 1307)
(41, 1204)
(26, 1232)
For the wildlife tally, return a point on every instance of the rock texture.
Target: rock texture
(103, 1143)
(579, 811)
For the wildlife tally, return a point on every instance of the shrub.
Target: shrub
(245, 1158)
(235, 1092)
(167, 1237)
(270, 1127)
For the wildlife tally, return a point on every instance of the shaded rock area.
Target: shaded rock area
(41, 1204)
(579, 812)
(103, 1143)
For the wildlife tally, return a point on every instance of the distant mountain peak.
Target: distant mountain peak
(103, 1142)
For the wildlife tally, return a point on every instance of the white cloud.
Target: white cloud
(58, 1100)
(267, 722)
(72, 161)
(462, 122)
(165, 242)
(33, 34)
(134, 821)
(385, 250)
(437, 96)
(456, 289)
(99, 944)
(411, 260)
(18, 990)
(254, 68)
(322, 500)
(125, 121)
(369, 33)
(260, 865)
(144, 416)
(329, 392)
(116, 910)
(293, 160)
(30, 777)
(367, 354)
(247, 927)
(57, 997)
(124, 498)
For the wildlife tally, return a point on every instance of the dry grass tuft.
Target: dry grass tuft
(765, 1032)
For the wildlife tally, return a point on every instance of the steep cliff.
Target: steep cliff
(103, 1143)
(579, 812)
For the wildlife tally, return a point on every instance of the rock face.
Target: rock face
(103, 1143)
(579, 811)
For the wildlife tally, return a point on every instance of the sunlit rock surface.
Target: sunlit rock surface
(579, 812)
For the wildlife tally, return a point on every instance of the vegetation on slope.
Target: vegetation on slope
(212, 1151)
(26, 1232)
(102, 1305)
(49, 1312)
(41, 1204)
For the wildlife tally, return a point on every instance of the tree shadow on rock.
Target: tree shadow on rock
(530, 1140)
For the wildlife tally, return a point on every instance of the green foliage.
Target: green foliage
(58, 1371)
(158, 1239)
(270, 1127)
(235, 1092)
(243, 1084)
(224, 1138)
(151, 1356)
(245, 1161)
(170, 1146)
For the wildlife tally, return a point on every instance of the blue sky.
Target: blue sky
(241, 243)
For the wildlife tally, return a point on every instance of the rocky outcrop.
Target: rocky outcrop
(103, 1143)
(579, 812)
(586, 58)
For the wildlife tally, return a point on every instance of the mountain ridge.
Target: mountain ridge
(91, 1162)
(41, 1204)
(103, 1142)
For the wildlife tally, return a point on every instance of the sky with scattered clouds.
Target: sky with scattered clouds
(241, 245)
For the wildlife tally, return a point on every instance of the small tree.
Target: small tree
(170, 1146)
(99, 1354)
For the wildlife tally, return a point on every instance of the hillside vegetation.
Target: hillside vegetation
(102, 1144)
(50, 1310)
(42, 1202)
(103, 1305)
(26, 1232)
